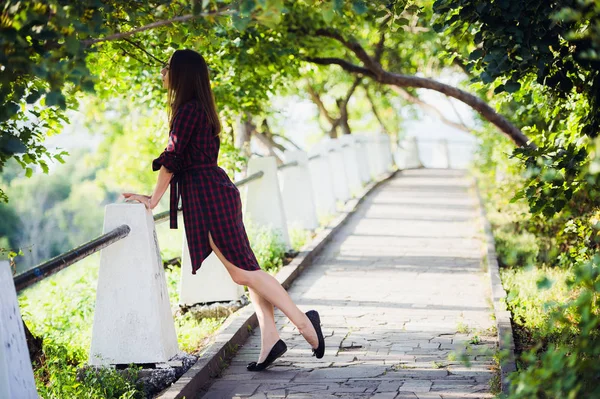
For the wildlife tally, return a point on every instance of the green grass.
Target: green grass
(531, 303)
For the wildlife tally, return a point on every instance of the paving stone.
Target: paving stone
(392, 287)
(416, 386)
(384, 395)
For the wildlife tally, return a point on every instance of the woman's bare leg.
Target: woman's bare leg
(267, 287)
(266, 320)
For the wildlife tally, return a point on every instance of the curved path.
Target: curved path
(403, 300)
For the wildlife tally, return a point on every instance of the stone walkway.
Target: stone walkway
(403, 300)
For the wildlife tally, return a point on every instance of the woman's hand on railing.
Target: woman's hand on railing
(144, 199)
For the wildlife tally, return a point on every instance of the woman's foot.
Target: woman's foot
(276, 351)
(314, 318)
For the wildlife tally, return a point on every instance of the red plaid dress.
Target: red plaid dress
(210, 201)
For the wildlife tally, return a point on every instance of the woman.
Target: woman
(212, 209)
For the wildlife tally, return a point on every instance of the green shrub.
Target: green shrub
(299, 237)
(568, 368)
(268, 246)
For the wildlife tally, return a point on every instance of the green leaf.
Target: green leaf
(72, 44)
(44, 166)
(33, 97)
(328, 13)
(402, 21)
(359, 6)
(55, 98)
(246, 7)
(240, 23)
(28, 172)
(499, 89)
(512, 86)
(544, 283)
(476, 54)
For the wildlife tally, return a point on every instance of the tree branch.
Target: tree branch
(348, 66)
(317, 100)
(374, 109)
(474, 102)
(380, 75)
(430, 109)
(355, 47)
(157, 24)
(144, 50)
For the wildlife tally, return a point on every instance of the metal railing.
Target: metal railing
(60, 262)
(288, 165)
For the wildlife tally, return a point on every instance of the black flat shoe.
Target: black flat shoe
(276, 351)
(314, 318)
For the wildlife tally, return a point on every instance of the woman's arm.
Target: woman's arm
(164, 178)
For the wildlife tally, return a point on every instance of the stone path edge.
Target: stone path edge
(238, 327)
(506, 343)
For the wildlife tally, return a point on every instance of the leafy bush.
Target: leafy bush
(299, 237)
(268, 246)
(568, 368)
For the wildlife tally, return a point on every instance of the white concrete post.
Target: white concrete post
(133, 322)
(440, 157)
(16, 374)
(373, 157)
(263, 202)
(407, 155)
(389, 156)
(297, 192)
(362, 159)
(385, 163)
(322, 184)
(338, 168)
(350, 155)
(211, 283)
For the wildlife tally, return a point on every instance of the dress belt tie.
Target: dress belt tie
(175, 185)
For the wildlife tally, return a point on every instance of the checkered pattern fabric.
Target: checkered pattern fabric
(210, 201)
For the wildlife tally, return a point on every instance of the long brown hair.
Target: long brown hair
(189, 80)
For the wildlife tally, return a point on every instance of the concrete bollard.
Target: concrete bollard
(440, 156)
(407, 155)
(385, 164)
(350, 155)
(133, 322)
(373, 157)
(16, 374)
(263, 202)
(338, 168)
(362, 159)
(322, 184)
(211, 283)
(297, 192)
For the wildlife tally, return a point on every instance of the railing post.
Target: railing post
(211, 283)
(338, 169)
(133, 322)
(263, 202)
(407, 154)
(383, 146)
(16, 374)
(297, 192)
(349, 152)
(321, 178)
(373, 156)
(440, 157)
(362, 159)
